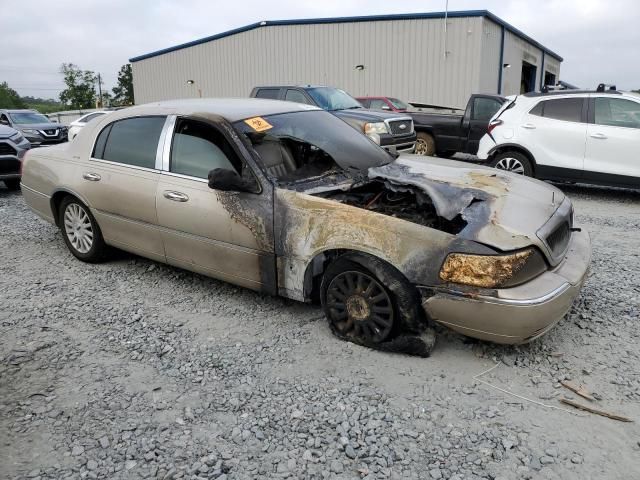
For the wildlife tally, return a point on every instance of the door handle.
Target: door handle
(600, 136)
(529, 126)
(92, 177)
(175, 196)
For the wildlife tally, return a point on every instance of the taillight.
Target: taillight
(493, 125)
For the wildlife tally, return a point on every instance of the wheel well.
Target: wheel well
(514, 148)
(56, 200)
(318, 265)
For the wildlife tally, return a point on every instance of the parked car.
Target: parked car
(570, 135)
(13, 146)
(284, 198)
(445, 134)
(36, 128)
(384, 103)
(390, 131)
(76, 125)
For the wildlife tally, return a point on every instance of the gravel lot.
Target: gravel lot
(132, 369)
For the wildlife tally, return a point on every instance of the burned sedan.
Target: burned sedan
(284, 198)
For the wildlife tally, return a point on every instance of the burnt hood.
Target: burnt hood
(501, 209)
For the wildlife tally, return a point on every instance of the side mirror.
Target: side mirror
(386, 107)
(229, 181)
(4, 121)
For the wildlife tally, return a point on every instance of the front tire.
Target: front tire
(514, 162)
(425, 144)
(370, 303)
(80, 231)
(12, 184)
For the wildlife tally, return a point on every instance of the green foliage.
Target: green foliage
(80, 92)
(123, 92)
(9, 98)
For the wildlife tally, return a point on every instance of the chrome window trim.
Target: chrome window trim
(160, 146)
(124, 165)
(165, 150)
(186, 177)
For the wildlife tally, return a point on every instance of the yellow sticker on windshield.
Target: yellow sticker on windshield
(259, 124)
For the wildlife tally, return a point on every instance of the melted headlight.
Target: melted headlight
(492, 271)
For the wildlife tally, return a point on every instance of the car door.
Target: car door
(483, 109)
(613, 141)
(555, 131)
(223, 234)
(120, 181)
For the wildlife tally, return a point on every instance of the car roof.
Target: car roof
(232, 109)
(569, 92)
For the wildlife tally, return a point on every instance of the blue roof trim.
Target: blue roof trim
(364, 18)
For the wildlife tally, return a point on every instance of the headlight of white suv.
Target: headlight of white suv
(17, 137)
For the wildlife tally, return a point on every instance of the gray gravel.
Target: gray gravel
(132, 369)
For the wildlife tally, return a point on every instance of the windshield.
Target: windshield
(399, 104)
(333, 99)
(28, 117)
(300, 145)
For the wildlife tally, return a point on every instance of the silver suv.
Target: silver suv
(37, 128)
(13, 146)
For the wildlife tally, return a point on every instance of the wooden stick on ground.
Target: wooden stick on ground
(597, 411)
(578, 389)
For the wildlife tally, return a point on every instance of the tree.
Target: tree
(9, 98)
(80, 92)
(123, 92)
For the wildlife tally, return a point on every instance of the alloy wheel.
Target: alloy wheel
(360, 307)
(510, 164)
(421, 147)
(78, 228)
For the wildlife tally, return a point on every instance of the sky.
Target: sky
(598, 40)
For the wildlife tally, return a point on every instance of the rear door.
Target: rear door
(225, 235)
(555, 131)
(613, 141)
(120, 182)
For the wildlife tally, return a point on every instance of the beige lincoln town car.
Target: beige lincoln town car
(288, 199)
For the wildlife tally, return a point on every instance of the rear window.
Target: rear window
(271, 93)
(566, 109)
(132, 141)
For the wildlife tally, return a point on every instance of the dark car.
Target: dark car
(13, 146)
(391, 131)
(35, 127)
(445, 134)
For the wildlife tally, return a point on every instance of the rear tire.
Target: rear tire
(425, 144)
(369, 302)
(514, 162)
(12, 184)
(80, 231)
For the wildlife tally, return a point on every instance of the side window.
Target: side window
(132, 141)
(4, 119)
(567, 109)
(198, 148)
(484, 108)
(272, 93)
(617, 112)
(295, 96)
(378, 104)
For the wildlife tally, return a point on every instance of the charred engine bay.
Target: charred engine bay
(400, 202)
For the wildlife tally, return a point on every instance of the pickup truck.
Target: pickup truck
(392, 131)
(445, 134)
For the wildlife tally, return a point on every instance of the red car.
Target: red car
(384, 103)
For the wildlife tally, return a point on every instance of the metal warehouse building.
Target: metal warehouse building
(436, 58)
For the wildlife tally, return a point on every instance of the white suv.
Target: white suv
(578, 136)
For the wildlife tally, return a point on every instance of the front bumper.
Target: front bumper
(401, 143)
(519, 314)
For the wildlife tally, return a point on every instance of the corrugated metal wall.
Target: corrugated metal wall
(402, 58)
(490, 64)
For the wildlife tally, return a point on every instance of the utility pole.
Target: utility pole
(99, 91)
